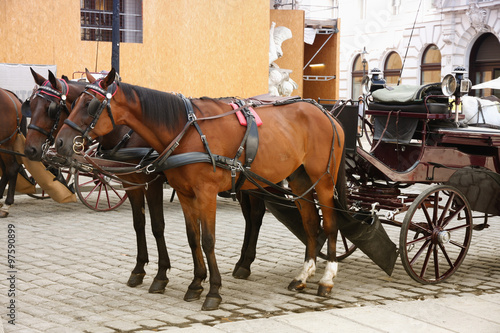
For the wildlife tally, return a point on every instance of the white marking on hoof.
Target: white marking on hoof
(330, 273)
(307, 271)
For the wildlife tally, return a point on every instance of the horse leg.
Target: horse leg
(324, 190)
(253, 210)
(154, 197)
(11, 170)
(3, 178)
(136, 199)
(200, 210)
(193, 234)
(300, 182)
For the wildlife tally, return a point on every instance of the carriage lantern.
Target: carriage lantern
(376, 82)
(456, 84)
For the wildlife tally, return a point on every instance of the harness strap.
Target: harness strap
(191, 116)
(251, 143)
(122, 142)
(132, 186)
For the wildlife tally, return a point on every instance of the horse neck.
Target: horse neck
(132, 112)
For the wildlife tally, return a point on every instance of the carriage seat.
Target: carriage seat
(410, 98)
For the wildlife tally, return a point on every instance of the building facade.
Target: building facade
(213, 48)
(418, 41)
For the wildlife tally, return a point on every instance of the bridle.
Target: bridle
(57, 100)
(94, 109)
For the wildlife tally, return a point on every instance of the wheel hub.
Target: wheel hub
(443, 236)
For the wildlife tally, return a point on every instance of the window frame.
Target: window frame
(96, 20)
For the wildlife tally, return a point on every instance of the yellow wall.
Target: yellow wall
(214, 47)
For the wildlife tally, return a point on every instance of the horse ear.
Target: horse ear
(90, 78)
(110, 78)
(54, 82)
(38, 78)
(65, 78)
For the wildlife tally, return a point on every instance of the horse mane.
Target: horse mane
(158, 107)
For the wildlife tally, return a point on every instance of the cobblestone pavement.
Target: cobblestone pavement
(72, 265)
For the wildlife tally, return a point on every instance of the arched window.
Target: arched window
(359, 69)
(392, 69)
(484, 63)
(431, 65)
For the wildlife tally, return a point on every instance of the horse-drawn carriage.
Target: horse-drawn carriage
(417, 135)
(414, 137)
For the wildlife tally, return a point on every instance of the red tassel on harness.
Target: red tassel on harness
(242, 118)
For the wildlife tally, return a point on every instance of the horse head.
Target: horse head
(48, 106)
(86, 114)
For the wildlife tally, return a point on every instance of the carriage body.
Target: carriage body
(418, 137)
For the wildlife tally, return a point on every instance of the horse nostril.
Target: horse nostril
(59, 143)
(30, 152)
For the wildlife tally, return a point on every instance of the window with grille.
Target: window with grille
(392, 69)
(96, 20)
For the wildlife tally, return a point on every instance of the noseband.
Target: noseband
(54, 110)
(95, 109)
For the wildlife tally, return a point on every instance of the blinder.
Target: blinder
(26, 108)
(53, 110)
(94, 106)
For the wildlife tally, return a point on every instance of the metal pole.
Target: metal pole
(115, 39)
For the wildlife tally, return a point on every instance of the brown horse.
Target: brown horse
(50, 105)
(298, 141)
(11, 124)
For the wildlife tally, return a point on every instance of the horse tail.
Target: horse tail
(341, 188)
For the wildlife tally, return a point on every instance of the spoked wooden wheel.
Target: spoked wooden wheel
(99, 192)
(436, 234)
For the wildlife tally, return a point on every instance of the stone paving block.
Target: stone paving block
(83, 276)
(384, 320)
(445, 316)
(122, 325)
(317, 322)
(256, 325)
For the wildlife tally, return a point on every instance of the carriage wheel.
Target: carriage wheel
(99, 192)
(436, 234)
(366, 141)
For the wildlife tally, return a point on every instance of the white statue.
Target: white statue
(280, 83)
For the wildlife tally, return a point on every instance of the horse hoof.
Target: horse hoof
(3, 214)
(193, 294)
(211, 303)
(158, 286)
(296, 285)
(135, 279)
(324, 290)
(241, 273)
